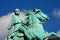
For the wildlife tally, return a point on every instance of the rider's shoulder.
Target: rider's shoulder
(12, 16)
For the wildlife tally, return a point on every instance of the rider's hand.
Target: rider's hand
(9, 28)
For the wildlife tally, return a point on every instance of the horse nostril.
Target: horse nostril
(46, 18)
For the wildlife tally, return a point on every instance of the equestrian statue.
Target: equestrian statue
(31, 28)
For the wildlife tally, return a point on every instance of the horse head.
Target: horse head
(40, 15)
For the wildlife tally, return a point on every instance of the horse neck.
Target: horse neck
(33, 19)
(35, 22)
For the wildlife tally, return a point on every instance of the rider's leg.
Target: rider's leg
(27, 34)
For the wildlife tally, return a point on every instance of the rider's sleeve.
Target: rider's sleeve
(11, 23)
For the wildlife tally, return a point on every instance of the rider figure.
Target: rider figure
(17, 23)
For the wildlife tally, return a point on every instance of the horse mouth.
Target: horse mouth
(46, 19)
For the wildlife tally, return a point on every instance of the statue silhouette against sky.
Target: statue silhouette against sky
(31, 28)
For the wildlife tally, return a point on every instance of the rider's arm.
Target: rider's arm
(11, 23)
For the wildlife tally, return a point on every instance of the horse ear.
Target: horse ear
(34, 10)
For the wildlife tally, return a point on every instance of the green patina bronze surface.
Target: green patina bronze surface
(31, 28)
(34, 19)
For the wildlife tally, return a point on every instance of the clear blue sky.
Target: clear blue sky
(46, 6)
